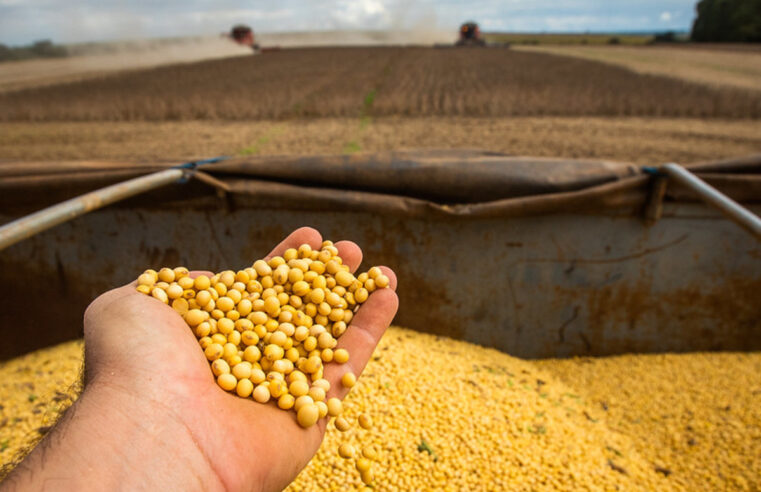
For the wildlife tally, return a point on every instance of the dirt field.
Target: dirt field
(341, 82)
(344, 100)
(112, 57)
(89, 60)
(712, 65)
(566, 38)
(639, 140)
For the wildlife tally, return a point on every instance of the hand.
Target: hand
(151, 383)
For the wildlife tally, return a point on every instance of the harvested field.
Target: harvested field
(89, 60)
(714, 65)
(112, 57)
(618, 423)
(553, 39)
(638, 140)
(340, 82)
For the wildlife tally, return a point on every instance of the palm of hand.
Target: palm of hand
(145, 349)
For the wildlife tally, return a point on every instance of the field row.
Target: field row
(647, 141)
(336, 82)
(739, 67)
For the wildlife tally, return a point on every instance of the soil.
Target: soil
(638, 140)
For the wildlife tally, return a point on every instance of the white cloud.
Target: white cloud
(581, 23)
(23, 21)
(493, 24)
(361, 14)
(568, 22)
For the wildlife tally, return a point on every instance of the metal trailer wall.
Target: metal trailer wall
(542, 286)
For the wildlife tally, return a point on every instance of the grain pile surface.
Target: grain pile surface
(450, 415)
(34, 390)
(697, 417)
(453, 416)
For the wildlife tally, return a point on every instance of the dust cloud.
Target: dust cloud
(355, 38)
(95, 59)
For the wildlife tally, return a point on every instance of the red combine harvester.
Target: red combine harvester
(243, 35)
(470, 35)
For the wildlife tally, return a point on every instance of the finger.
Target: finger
(196, 273)
(362, 336)
(303, 235)
(350, 254)
(116, 294)
(95, 308)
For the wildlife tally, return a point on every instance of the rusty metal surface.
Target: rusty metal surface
(565, 271)
(711, 196)
(28, 226)
(554, 285)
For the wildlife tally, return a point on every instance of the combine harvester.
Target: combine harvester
(556, 257)
(244, 36)
(470, 35)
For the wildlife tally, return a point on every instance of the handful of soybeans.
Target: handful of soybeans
(269, 330)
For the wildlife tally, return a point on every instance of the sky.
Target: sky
(24, 21)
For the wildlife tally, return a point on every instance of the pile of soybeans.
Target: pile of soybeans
(450, 415)
(447, 415)
(269, 330)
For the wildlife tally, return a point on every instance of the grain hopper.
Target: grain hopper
(536, 257)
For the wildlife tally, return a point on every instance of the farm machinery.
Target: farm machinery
(470, 35)
(244, 36)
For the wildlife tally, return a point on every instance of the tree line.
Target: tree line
(38, 49)
(736, 21)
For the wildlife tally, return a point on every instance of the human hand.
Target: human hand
(143, 363)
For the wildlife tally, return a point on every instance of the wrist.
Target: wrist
(113, 439)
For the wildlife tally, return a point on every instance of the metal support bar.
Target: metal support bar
(654, 205)
(715, 198)
(30, 225)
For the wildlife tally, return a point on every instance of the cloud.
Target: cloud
(495, 24)
(356, 14)
(23, 21)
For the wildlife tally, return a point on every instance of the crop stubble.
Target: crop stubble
(638, 140)
(713, 65)
(334, 82)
